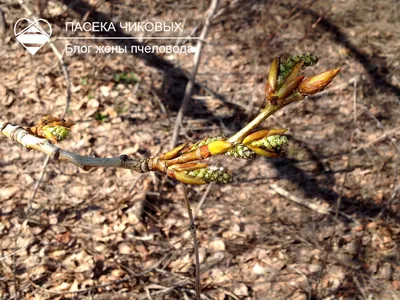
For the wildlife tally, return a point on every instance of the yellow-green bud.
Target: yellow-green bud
(241, 151)
(286, 67)
(275, 143)
(60, 132)
(211, 174)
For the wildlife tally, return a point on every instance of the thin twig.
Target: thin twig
(68, 97)
(196, 62)
(59, 57)
(360, 287)
(380, 125)
(23, 137)
(195, 242)
(339, 200)
(318, 208)
(11, 254)
(2, 26)
(303, 202)
(378, 139)
(68, 101)
(35, 189)
(203, 199)
(16, 289)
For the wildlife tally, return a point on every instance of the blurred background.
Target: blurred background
(94, 234)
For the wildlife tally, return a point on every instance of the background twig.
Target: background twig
(196, 60)
(195, 242)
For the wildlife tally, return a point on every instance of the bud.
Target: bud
(271, 86)
(258, 135)
(274, 143)
(295, 72)
(289, 87)
(55, 133)
(190, 166)
(52, 128)
(205, 142)
(218, 147)
(286, 67)
(317, 83)
(273, 74)
(241, 151)
(263, 152)
(184, 178)
(173, 153)
(210, 174)
(200, 152)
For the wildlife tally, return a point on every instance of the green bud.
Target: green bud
(286, 67)
(60, 132)
(241, 151)
(275, 143)
(211, 174)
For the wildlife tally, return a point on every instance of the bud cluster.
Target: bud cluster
(285, 85)
(52, 128)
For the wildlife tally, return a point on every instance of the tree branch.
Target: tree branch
(23, 137)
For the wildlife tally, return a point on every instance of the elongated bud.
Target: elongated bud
(263, 152)
(258, 135)
(187, 166)
(289, 87)
(202, 152)
(241, 151)
(317, 83)
(219, 147)
(271, 86)
(286, 67)
(274, 143)
(184, 177)
(295, 72)
(205, 142)
(211, 174)
(173, 153)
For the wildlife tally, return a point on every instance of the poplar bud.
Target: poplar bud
(274, 143)
(289, 87)
(271, 86)
(59, 132)
(210, 174)
(205, 142)
(317, 83)
(52, 128)
(286, 67)
(241, 151)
